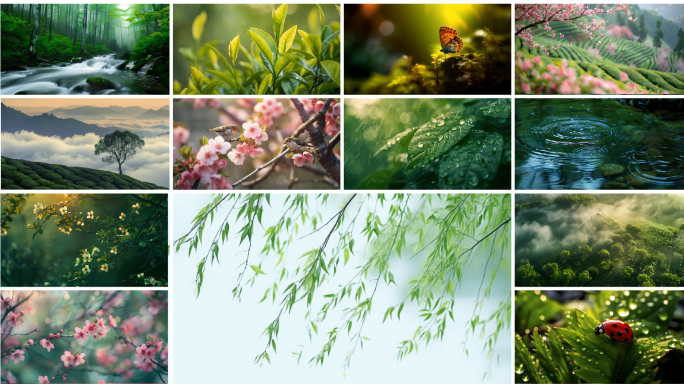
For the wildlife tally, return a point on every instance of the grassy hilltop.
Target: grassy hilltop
(23, 174)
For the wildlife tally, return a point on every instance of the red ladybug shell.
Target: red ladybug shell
(616, 329)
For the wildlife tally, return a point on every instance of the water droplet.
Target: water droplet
(462, 122)
(420, 145)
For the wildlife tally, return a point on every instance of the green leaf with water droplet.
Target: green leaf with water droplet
(500, 109)
(472, 162)
(396, 139)
(437, 136)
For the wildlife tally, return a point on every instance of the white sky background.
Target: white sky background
(222, 336)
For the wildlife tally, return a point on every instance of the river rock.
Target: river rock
(610, 169)
(98, 84)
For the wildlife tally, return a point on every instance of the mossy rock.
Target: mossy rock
(608, 170)
(98, 84)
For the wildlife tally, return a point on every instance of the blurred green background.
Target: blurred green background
(29, 262)
(376, 36)
(225, 21)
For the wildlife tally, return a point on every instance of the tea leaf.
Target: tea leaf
(261, 44)
(279, 21)
(233, 48)
(198, 26)
(332, 68)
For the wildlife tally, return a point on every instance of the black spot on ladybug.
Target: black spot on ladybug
(619, 333)
(626, 330)
(612, 334)
(614, 325)
(626, 339)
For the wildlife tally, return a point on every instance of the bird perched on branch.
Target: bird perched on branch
(228, 132)
(296, 145)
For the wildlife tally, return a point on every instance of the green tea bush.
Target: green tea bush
(289, 61)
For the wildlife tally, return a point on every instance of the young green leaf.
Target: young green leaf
(286, 39)
(332, 68)
(233, 48)
(257, 270)
(261, 44)
(197, 77)
(198, 26)
(279, 21)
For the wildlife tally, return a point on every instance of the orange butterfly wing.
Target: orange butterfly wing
(448, 38)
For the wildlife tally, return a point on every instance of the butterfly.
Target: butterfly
(450, 41)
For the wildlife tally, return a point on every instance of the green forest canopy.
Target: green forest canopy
(142, 29)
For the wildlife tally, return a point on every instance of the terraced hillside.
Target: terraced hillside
(23, 174)
(609, 66)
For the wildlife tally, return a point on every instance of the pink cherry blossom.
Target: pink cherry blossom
(145, 365)
(14, 320)
(256, 152)
(143, 352)
(104, 358)
(180, 135)
(43, 379)
(11, 378)
(236, 157)
(80, 335)
(5, 303)
(68, 359)
(219, 145)
(112, 322)
(207, 155)
(298, 159)
(251, 130)
(165, 356)
(308, 157)
(154, 306)
(17, 356)
(47, 344)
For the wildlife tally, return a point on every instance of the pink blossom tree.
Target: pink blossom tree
(260, 129)
(84, 336)
(530, 17)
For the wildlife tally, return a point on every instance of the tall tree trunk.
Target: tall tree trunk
(75, 24)
(81, 51)
(95, 25)
(33, 54)
(30, 13)
(52, 10)
(44, 18)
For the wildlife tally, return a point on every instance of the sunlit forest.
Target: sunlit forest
(624, 240)
(427, 49)
(427, 144)
(85, 48)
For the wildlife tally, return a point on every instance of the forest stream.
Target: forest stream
(71, 79)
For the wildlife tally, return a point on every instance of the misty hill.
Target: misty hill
(48, 124)
(161, 113)
(111, 111)
(599, 240)
(24, 174)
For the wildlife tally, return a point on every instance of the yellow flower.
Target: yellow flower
(113, 250)
(105, 267)
(122, 216)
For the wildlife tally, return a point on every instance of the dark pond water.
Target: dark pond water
(71, 79)
(599, 144)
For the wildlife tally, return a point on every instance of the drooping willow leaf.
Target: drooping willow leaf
(437, 136)
(472, 161)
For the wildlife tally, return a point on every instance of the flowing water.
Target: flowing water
(71, 79)
(598, 144)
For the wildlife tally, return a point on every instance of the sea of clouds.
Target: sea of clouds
(151, 164)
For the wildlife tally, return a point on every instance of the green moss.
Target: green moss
(99, 83)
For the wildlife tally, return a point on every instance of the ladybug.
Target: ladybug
(616, 329)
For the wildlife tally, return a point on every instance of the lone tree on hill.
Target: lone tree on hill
(120, 145)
